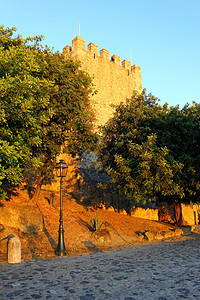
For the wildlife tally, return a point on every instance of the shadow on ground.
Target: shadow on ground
(51, 240)
(91, 247)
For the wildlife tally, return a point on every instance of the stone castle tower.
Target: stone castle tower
(113, 80)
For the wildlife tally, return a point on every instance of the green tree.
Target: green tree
(151, 151)
(44, 107)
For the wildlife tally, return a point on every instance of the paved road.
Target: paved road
(166, 270)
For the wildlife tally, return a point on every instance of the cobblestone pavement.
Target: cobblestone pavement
(166, 270)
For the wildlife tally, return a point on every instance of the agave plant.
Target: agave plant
(95, 223)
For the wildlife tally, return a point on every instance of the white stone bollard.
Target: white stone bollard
(14, 251)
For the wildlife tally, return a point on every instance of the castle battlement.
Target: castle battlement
(78, 46)
(114, 80)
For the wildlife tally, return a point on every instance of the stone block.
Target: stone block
(159, 236)
(149, 235)
(167, 234)
(14, 250)
(178, 232)
(140, 235)
(186, 230)
(102, 235)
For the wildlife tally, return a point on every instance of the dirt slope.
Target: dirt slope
(79, 238)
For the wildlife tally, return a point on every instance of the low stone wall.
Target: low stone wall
(191, 213)
(139, 212)
(26, 218)
(145, 213)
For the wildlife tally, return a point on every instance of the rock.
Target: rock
(159, 236)
(186, 230)
(149, 235)
(140, 235)
(168, 234)
(195, 228)
(14, 250)
(178, 232)
(102, 235)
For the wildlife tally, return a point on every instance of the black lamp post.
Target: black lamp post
(61, 168)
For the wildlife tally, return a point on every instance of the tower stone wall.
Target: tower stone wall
(113, 80)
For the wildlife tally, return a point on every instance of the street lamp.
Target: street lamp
(61, 168)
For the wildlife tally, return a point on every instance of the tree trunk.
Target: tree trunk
(37, 190)
(178, 214)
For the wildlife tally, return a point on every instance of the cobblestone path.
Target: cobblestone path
(166, 270)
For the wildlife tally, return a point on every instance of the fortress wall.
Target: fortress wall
(113, 80)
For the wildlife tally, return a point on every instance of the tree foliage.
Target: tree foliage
(44, 107)
(150, 150)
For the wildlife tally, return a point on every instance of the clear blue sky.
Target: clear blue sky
(162, 35)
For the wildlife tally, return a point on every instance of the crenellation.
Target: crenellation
(105, 54)
(78, 44)
(67, 49)
(93, 48)
(113, 80)
(135, 69)
(116, 59)
(126, 64)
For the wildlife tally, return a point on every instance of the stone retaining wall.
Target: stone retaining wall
(191, 213)
(26, 218)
